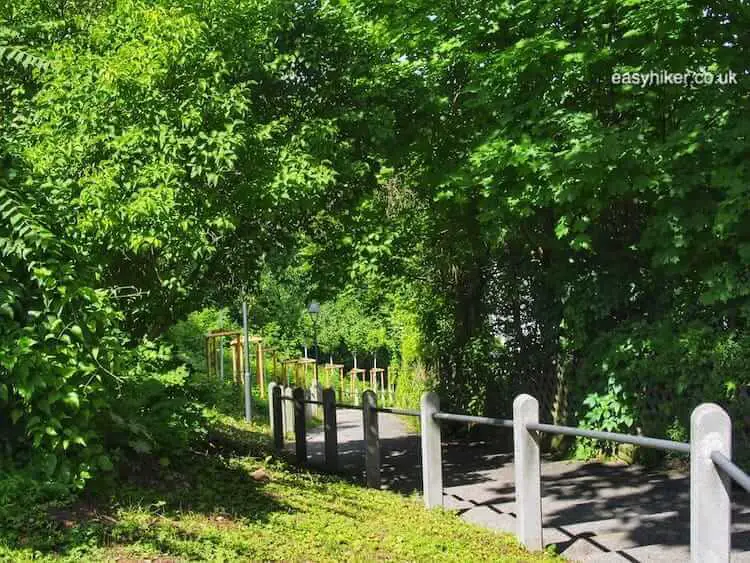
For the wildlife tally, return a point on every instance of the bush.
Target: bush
(73, 397)
(161, 404)
(188, 337)
(410, 384)
(649, 377)
(58, 351)
(25, 504)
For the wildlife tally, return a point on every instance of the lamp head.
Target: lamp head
(313, 308)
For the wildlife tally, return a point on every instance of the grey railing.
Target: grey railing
(473, 419)
(290, 410)
(711, 467)
(643, 441)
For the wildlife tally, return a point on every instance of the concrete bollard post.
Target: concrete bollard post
(710, 506)
(300, 440)
(288, 407)
(372, 439)
(276, 413)
(527, 465)
(432, 453)
(329, 428)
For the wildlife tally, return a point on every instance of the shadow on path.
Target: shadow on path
(591, 511)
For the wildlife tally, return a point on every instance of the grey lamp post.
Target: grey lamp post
(246, 350)
(313, 309)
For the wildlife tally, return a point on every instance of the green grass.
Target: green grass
(208, 506)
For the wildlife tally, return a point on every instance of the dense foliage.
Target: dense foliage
(56, 351)
(462, 186)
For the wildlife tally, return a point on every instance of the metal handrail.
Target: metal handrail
(645, 441)
(348, 406)
(305, 401)
(708, 433)
(406, 412)
(728, 467)
(393, 410)
(473, 419)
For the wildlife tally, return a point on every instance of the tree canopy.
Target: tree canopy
(462, 185)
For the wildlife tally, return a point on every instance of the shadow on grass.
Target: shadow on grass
(592, 508)
(146, 498)
(229, 399)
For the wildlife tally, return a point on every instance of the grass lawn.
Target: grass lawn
(234, 502)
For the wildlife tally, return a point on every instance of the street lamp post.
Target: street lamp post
(313, 309)
(247, 383)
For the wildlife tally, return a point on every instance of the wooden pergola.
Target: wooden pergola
(274, 357)
(238, 356)
(212, 339)
(374, 373)
(354, 373)
(339, 368)
(285, 365)
(306, 362)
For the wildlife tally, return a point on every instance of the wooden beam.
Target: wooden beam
(306, 360)
(223, 333)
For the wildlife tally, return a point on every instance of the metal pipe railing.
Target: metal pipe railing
(353, 407)
(728, 467)
(473, 419)
(645, 441)
(709, 450)
(393, 410)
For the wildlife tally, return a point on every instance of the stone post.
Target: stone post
(372, 440)
(329, 427)
(288, 410)
(432, 454)
(276, 412)
(527, 464)
(710, 507)
(300, 440)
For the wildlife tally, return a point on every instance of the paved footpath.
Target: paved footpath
(592, 511)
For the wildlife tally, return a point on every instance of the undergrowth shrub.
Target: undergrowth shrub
(160, 407)
(188, 336)
(58, 350)
(410, 383)
(647, 378)
(75, 396)
(25, 506)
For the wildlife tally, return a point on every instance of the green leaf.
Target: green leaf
(140, 446)
(71, 399)
(49, 464)
(105, 463)
(76, 331)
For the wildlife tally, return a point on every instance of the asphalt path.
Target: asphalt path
(591, 511)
